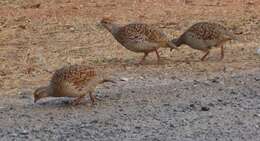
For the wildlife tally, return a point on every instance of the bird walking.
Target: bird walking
(71, 81)
(204, 36)
(138, 37)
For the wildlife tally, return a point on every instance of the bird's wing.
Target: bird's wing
(141, 32)
(73, 79)
(205, 31)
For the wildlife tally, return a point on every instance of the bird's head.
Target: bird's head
(40, 93)
(108, 23)
(176, 43)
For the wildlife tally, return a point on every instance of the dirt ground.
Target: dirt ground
(181, 99)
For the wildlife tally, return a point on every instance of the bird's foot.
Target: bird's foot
(77, 101)
(140, 63)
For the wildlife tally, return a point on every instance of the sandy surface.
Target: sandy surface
(180, 99)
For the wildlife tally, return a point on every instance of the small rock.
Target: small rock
(257, 79)
(93, 121)
(175, 78)
(250, 3)
(74, 7)
(257, 115)
(166, 104)
(220, 89)
(22, 26)
(24, 132)
(13, 135)
(220, 100)
(215, 80)
(123, 130)
(124, 79)
(35, 5)
(72, 29)
(196, 82)
(211, 104)
(142, 77)
(258, 51)
(233, 92)
(172, 125)
(192, 105)
(204, 108)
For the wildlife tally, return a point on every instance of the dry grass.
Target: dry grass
(37, 37)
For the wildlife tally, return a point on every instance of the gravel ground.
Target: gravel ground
(181, 99)
(222, 106)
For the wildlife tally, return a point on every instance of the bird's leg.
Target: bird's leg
(145, 55)
(158, 56)
(222, 52)
(77, 100)
(203, 58)
(92, 98)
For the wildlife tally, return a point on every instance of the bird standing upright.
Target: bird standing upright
(204, 36)
(138, 37)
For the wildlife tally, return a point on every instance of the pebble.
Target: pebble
(211, 104)
(38, 5)
(204, 108)
(72, 29)
(257, 79)
(124, 79)
(166, 105)
(24, 132)
(142, 77)
(258, 51)
(172, 125)
(192, 105)
(215, 80)
(257, 115)
(93, 122)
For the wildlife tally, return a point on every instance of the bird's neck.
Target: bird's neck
(49, 91)
(113, 28)
(178, 42)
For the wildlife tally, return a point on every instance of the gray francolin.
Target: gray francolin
(138, 37)
(72, 81)
(204, 36)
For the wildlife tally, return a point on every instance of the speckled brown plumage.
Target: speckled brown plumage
(140, 32)
(138, 37)
(207, 31)
(71, 81)
(205, 35)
